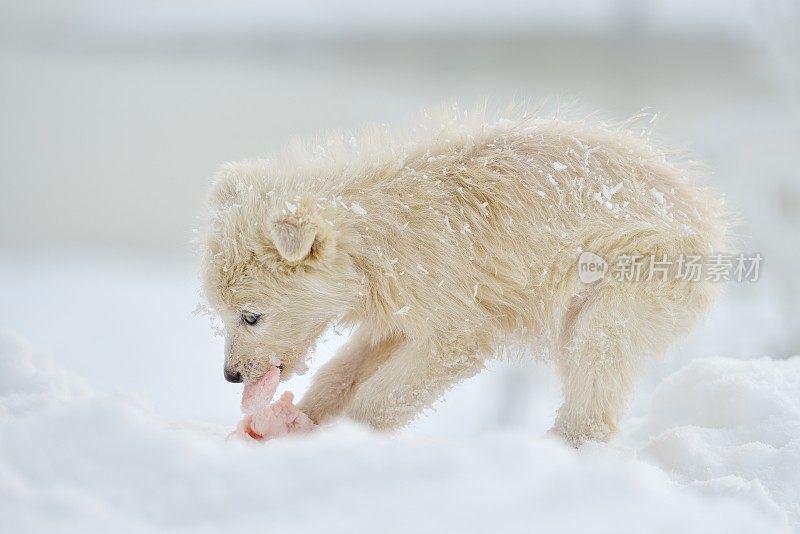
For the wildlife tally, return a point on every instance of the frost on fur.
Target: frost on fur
(446, 243)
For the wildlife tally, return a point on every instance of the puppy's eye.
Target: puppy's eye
(250, 318)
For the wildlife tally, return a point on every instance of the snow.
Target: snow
(403, 311)
(718, 451)
(658, 196)
(728, 426)
(118, 464)
(358, 210)
(609, 192)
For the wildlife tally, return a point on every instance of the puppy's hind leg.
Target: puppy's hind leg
(608, 332)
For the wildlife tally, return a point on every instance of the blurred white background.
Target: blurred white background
(113, 116)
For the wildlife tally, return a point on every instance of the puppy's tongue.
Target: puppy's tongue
(259, 394)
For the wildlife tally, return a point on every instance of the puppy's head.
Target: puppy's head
(273, 272)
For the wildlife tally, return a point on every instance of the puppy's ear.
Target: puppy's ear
(233, 184)
(294, 234)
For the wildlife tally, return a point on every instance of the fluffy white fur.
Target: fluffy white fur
(447, 243)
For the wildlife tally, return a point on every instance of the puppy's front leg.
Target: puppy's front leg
(334, 383)
(412, 379)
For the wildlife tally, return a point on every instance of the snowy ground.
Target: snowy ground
(717, 453)
(121, 440)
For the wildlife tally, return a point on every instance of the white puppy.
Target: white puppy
(446, 243)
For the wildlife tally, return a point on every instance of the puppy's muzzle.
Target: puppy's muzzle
(232, 376)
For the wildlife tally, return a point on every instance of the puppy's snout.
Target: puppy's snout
(233, 376)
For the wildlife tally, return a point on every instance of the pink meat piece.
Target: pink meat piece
(264, 420)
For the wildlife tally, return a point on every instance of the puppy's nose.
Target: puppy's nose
(233, 376)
